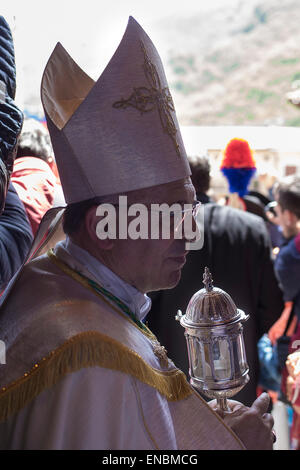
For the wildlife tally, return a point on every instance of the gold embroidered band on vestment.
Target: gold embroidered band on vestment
(89, 349)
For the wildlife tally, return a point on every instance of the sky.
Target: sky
(90, 30)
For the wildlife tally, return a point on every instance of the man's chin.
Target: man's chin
(170, 282)
(175, 278)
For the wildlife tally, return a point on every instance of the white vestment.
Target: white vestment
(80, 375)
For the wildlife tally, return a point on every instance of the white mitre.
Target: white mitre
(117, 134)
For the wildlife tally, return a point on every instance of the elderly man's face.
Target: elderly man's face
(152, 264)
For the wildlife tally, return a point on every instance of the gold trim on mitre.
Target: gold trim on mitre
(64, 86)
(89, 349)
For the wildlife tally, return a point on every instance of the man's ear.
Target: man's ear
(91, 227)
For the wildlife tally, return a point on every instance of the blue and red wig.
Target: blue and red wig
(238, 165)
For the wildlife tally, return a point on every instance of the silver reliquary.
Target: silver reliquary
(214, 334)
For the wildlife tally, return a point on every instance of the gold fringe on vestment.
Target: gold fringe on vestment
(89, 349)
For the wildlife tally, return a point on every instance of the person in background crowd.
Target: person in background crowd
(33, 176)
(239, 167)
(287, 268)
(201, 176)
(15, 236)
(238, 254)
(15, 232)
(287, 264)
(291, 387)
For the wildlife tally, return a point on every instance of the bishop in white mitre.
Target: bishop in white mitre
(82, 369)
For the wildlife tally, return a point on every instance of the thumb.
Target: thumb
(261, 404)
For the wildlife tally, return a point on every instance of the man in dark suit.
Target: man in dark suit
(237, 251)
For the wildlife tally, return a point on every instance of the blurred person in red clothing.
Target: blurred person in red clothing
(34, 175)
(291, 388)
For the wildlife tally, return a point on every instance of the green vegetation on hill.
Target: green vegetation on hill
(236, 65)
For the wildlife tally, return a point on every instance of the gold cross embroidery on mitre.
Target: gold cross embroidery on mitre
(147, 99)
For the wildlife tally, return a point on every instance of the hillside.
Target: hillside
(234, 65)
